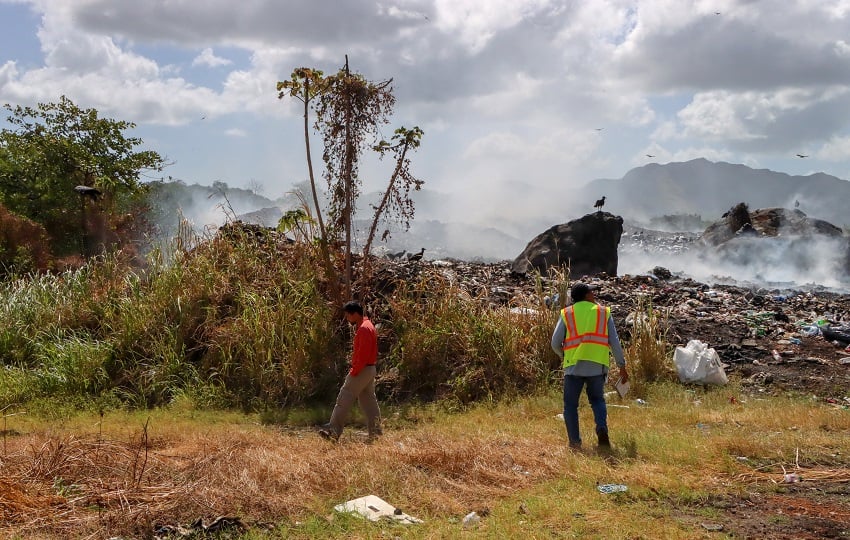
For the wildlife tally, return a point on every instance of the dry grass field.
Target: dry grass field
(696, 463)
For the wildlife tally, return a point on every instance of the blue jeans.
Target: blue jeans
(595, 394)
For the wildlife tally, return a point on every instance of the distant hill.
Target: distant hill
(709, 189)
(693, 194)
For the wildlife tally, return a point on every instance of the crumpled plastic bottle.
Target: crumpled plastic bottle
(810, 330)
(471, 519)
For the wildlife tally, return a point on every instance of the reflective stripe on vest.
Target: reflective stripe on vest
(587, 338)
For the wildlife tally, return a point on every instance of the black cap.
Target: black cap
(580, 290)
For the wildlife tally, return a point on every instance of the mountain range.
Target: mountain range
(699, 189)
(710, 188)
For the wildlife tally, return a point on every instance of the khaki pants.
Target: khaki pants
(360, 388)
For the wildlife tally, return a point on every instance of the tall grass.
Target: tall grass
(447, 343)
(244, 319)
(239, 317)
(648, 352)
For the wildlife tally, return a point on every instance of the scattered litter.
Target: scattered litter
(219, 524)
(618, 406)
(712, 526)
(524, 311)
(795, 341)
(560, 416)
(792, 478)
(810, 330)
(611, 488)
(640, 401)
(742, 458)
(698, 363)
(844, 361)
(374, 508)
(471, 520)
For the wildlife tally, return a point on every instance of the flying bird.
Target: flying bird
(802, 156)
(600, 203)
(650, 155)
(599, 129)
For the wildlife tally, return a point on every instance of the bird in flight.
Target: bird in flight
(802, 156)
(649, 155)
(599, 129)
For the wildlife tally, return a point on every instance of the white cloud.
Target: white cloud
(505, 89)
(209, 59)
(475, 22)
(721, 115)
(836, 149)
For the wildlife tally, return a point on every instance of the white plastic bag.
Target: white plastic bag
(698, 363)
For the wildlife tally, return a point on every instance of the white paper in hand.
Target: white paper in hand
(622, 387)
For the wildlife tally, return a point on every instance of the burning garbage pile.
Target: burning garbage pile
(773, 247)
(772, 340)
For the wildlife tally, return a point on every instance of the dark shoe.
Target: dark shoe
(326, 433)
(575, 445)
(603, 438)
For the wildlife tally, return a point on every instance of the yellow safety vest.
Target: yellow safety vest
(586, 337)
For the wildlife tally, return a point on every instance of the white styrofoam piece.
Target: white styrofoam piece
(374, 508)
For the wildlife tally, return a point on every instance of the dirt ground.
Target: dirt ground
(795, 511)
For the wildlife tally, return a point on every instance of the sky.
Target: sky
(519, 100)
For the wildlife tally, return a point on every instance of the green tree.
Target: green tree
(71, 170)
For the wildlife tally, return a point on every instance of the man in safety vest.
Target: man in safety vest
(585, 335)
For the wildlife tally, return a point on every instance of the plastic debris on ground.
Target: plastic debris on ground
(471, 519)
(698, 363)
(374, 508)
(611, 488)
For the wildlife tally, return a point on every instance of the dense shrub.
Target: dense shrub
(245, 319)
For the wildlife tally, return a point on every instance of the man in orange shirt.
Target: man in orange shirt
(359, 384)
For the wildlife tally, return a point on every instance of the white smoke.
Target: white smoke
(773, 263)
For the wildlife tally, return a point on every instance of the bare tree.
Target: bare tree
(350, 111)
(396, 202)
